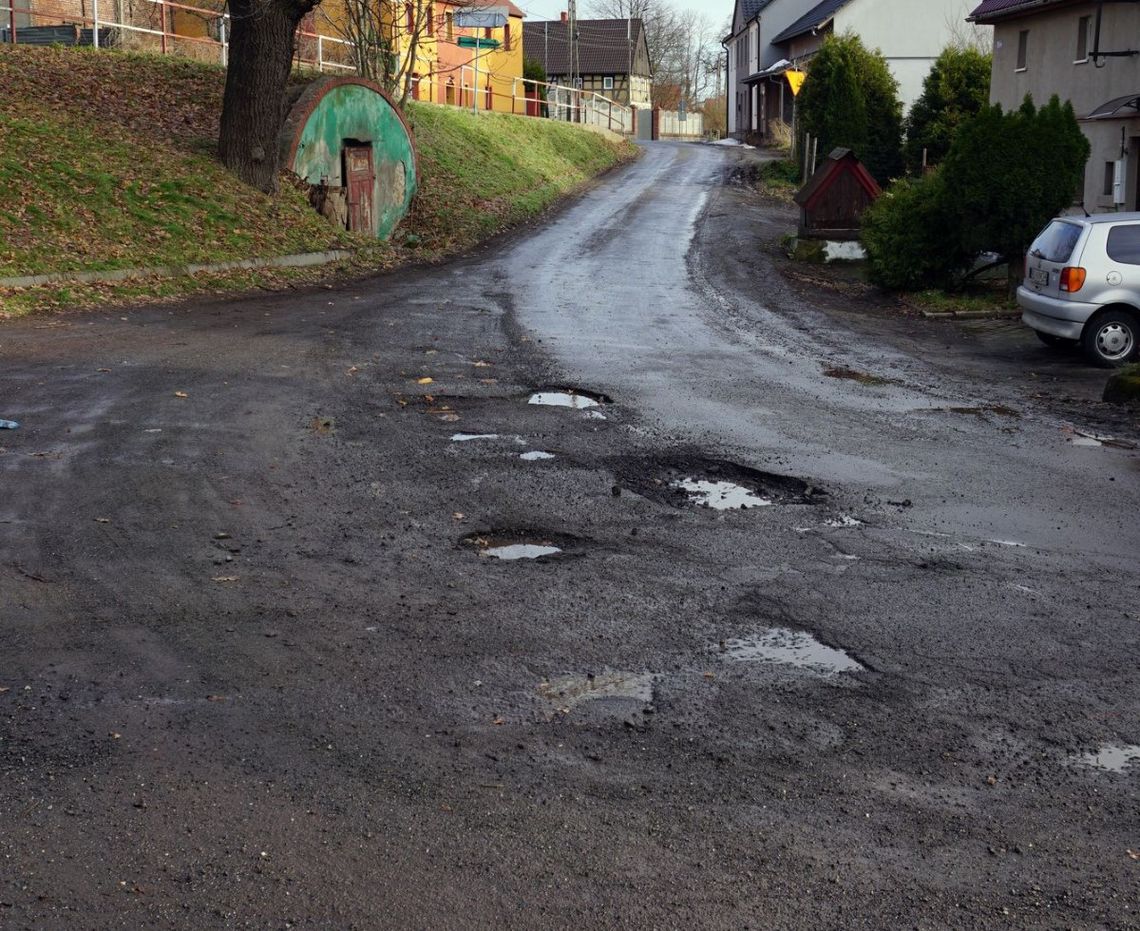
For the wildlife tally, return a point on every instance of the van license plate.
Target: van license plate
(1039, 276)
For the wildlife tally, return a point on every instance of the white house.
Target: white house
(909, 33)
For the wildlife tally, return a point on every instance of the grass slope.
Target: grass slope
(107, 161)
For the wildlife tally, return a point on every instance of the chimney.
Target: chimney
(565, 16)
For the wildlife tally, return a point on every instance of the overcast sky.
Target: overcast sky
(716, 10)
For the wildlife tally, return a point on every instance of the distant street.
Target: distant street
(836, 620)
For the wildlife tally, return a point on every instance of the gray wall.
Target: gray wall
(1052, 68)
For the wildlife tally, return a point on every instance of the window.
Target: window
(1124, 244)
(410, 17)
(507, 37)
(608, 83)
(1083, 25)
(1109, 179)
(1057, 242)
(449, 19)
(1022, 49)
(430, 20)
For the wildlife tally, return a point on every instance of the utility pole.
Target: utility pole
(572, 38)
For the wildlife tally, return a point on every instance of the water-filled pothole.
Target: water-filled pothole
(722, 496)
(515, 545)
(574, 398)
(689, 479)
(1114, 758)
(788, 647)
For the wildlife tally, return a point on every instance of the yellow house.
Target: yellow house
(492, 82)
(443, 71)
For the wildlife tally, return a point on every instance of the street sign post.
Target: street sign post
(478, 44)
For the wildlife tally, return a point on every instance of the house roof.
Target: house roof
(602, 45)
(840, 161)
(814, 19)
(994, 9)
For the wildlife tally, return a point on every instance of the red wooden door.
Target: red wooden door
(360, 178)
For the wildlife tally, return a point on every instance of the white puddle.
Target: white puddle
(1114, 759)
(721, 496)
(536, 455)
(521, 551)
(790, 648)
(843, 520)
(1081, 440)
(1006, 543)
(563, 399)
(469, 437)
(568, 691)
(596, 415)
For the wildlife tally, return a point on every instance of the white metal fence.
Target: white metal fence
(171, 28)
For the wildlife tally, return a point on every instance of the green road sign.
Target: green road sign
(477, 43)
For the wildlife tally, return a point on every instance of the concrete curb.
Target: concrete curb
(303, 260)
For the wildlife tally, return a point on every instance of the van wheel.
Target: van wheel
(1055, 342)
(1111, 338)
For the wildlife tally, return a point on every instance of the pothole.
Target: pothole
(1114, 758)
(688, 480)
(722, 496)
(567, 692)
(512, 551)
(512, 546)
(536, 455)
(574, 398)
(788, 647)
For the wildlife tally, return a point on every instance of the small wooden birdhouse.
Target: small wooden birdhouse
(833, 200)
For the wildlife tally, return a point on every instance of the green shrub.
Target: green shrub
(850, 100)
(1005, 176)
(957, 88)
(1010, 173)
(783, 171)
(905, 235)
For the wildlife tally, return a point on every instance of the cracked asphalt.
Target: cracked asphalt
(259, 670)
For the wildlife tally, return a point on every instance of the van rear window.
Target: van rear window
(1056, 242)
(1124, 244)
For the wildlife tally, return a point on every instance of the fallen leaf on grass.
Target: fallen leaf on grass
(710, 675)
(102, 520)
(215, 698)
(458, 515)
(499, 721)
(181, 394)
(1133, 854)
(224, 578)
(5, 688)
(424, 381)
(483, 365)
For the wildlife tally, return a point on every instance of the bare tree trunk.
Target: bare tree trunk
(253, 109)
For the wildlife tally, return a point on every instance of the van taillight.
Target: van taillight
(1072, 279)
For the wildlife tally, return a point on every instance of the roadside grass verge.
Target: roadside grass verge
(107, 161)
(483, 173)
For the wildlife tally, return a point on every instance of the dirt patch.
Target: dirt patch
(864, 378)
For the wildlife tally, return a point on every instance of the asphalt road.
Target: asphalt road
(261, 668)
